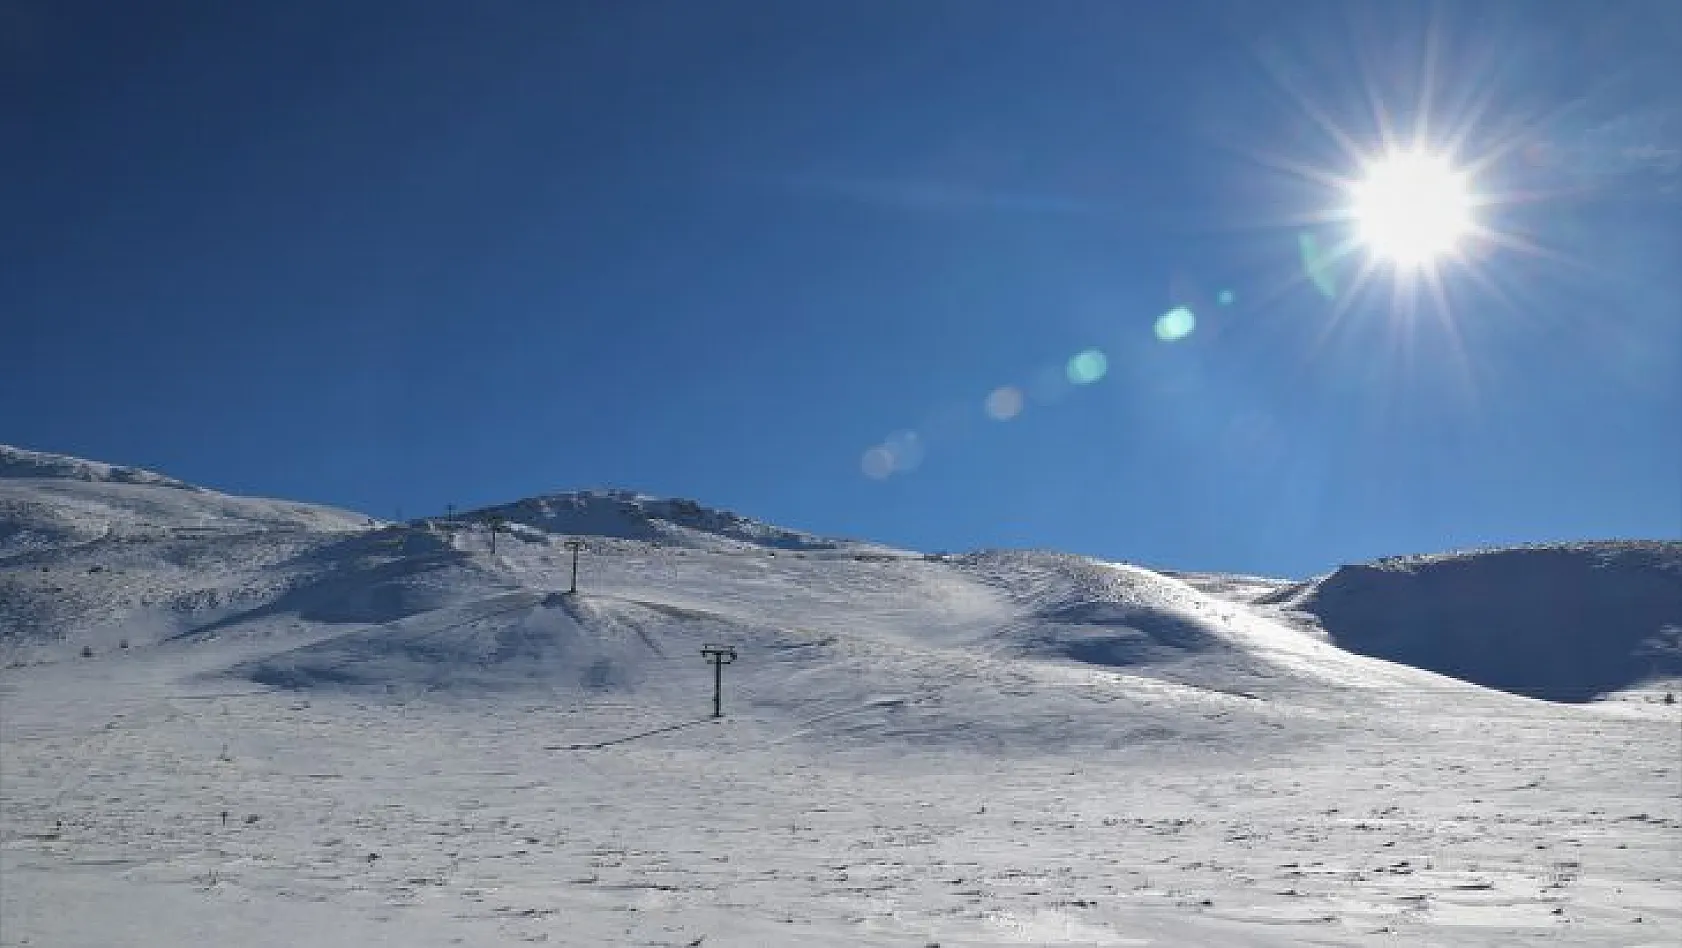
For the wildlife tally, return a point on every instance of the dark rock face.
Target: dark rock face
(1563, 623)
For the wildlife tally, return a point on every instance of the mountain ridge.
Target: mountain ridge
(86, 546)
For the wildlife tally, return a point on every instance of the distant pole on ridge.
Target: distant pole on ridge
(574, 546)
(720, 656)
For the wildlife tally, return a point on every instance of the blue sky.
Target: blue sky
(402, 255)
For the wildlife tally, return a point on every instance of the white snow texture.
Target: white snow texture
(237, 721)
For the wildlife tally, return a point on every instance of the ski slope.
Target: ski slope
(331, 731)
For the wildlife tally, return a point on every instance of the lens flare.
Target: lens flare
(878, 463)
(1004, 403)
(906, 450)
(1317, 265)
(1087, 367)
(1176, 324)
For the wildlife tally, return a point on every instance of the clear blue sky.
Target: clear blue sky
(403, 254)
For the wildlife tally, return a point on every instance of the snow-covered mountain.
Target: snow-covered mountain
(35, 465)
(87, 547)
(1567, 622)
(673, 522)
(397, 701)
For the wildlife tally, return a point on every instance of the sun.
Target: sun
(1411, 208)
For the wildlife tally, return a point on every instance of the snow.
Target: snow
(22, 463)
(672, 522)
(80, 550)
(1571, 622)
(331, 732)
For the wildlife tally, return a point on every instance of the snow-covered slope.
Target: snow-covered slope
(1568, 622)
(911, 647)
(22, 463)
(668, 521)
(86, 549)
(327, 730)
(85, 545)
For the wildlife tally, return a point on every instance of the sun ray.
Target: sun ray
(1298, 168)
(1451, 329)
(1427, 82)
(1432, 182)
(1508, 240)
(1488, 285)
(1343, 302)
(1378, 110)
(1314, 112)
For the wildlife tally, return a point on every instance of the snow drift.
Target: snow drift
(1567, 622)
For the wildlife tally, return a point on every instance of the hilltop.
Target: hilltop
(261, 722)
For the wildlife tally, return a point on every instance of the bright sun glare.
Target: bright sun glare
(1412, 208)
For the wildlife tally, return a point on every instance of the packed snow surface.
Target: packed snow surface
(237, 721)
